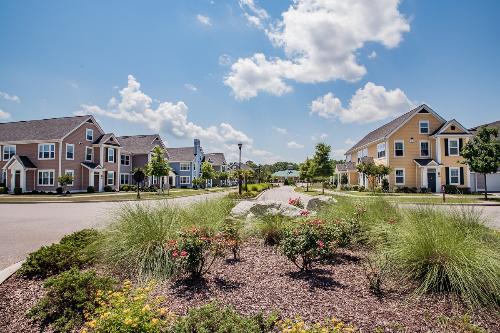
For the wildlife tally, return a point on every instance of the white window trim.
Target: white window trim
(399, 141)
(185, 163)
(72, 173)
(45, 170)
(128, 179)
(428, 148)
(458, 176)
(91, 155)
(380, 151)
(48, 158)
(3, 151)
(107, 178)
(449, 147)
(420, 127)
(72, 145)
(396, 177)
(125, 155)
(86, 134)
(114, 155)
(185, 177)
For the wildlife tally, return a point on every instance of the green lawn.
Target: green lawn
(310, 192)
(104, 197)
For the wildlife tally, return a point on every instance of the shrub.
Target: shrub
(68, 296)
(270, 228)
(361, 189)
(56, 258)
(298, 325)
(90, 189)
(309, 241)
(355, 187)
(215, 318)
(125, 188)
(59, 190)
(385, 185)
(34, 192)
(18, 190)
(297, 202)
(448, 252)
(231, 234)
(376, 270)
(129, 310)
(108, 188)
(424, 190)
(4, 190)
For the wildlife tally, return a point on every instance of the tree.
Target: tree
(482, 153)
(158, 166)
(222, 177)
(207, 172)
(139, 177)
(322, 162)
(307, 171)
(374, 172)
(196, 182)
(64, 181)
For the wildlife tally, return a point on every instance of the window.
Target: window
(424, 149)
(46, 151)
(399, 148)
(453, 147)
(424, 126)
(89, 134)
(125, 160)
(110, 178)
(184, 179)
(124, 178)
(400, 176)
(72, 173)
(111, 155)
(185, 167)
(88, 154)
(8, 152)
(45, 177)
(381, 150)
(70, 151)
(3, 176)
(454, 176)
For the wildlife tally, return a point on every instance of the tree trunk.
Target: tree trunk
(307, 186)
(485, 188)
(323, 187)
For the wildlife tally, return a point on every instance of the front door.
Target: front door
(17, 179)
(431, 181)
(96, 182)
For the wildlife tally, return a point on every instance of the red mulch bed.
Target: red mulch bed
(265, 281)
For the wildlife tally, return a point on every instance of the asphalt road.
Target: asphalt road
(26, 227)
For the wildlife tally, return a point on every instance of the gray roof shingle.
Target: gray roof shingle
(140, 144)
(105, 138)
(182, 154)
(42, 129)
(489, 125)
(216, 158)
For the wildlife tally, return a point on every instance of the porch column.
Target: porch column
(425, 180)
(91, 178)
(23, 180)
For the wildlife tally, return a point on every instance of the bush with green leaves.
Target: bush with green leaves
(53, 259)
(90, 189)
(68, 296)
(448, 252)
(270, 228)
(307, 242)
(4, 190)
(216, 318)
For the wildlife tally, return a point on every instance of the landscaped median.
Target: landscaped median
(352, 266)
(250, 191)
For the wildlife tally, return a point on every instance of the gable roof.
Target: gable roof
(108, 138)
(182, 154)
(24, 161)
(42, 129)
(348, 166)
(215, 158)
(495, 124)
(140, 144)
(442, 128)
(387, 129)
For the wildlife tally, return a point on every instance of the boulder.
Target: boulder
(265, 207)
(315, 204)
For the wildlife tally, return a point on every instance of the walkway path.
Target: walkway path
(26, 227)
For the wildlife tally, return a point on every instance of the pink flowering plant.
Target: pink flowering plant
(308, 242)
(297, 202)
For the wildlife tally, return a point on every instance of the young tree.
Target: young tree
(207, 172)
(139, 177)
(374, 172)
(322, 162)
(307, 171)
(64, 181)
(196, 182)
(158, 166)
(482, 153)
(222, 177)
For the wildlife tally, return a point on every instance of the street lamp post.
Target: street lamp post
(239, 169)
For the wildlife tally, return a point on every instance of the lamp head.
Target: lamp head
(240, 145)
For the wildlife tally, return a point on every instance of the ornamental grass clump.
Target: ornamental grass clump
(297, 325)
(270, 228)
(448, 252)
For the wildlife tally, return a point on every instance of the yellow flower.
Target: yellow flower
(146, 308)
(128, 321)
(84, 330)
(92, 323)
(154, 321)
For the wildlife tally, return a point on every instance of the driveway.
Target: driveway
(26, 227)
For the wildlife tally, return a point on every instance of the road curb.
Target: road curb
(7, 272)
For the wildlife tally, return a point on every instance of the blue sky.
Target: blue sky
(277, 75)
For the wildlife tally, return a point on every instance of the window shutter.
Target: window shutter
(445, 147)
(447, 169)
(462, 175)
(460, 146)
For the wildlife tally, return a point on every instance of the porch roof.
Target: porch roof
(91, 165)
(425, 161)
(24, 161)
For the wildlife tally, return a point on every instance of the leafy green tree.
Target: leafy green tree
(222, 177)
(197, 182)
(64, 181)
(482, 153)
(158, 166)
(374, 172)
(207, 172)
(322, 162)
(307, 172)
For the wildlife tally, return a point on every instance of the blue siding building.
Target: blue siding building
(186, 164)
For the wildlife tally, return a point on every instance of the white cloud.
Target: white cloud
(338, 154)
(4, 115)
(72, 84)
(205, 20)
(280, 130)
(370, 103)
(8, 97)
(225, 60)
(372, 55)
(349, 141)
(191, 87)
(319, 137)
(294, 145)
(320, 39)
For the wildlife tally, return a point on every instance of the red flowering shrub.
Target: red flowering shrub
(304, 212)
(231, 236)
(307, 242)
(297, 202)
